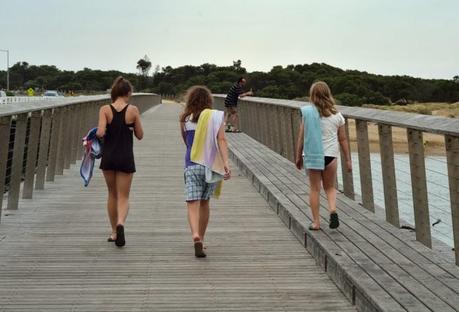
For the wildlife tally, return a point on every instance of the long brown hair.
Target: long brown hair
(197, 99)
(120, 87)
(320, 94)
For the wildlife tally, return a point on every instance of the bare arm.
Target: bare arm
(223, 145)
(138, 129)
(299, 147)
(102, 124)
(246, 94)
(182, 131)
(345, 147)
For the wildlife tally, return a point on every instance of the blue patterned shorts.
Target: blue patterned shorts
(196, 187)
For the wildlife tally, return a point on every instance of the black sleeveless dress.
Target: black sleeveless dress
(118, 152)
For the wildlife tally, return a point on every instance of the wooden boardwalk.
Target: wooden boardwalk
(54, 255)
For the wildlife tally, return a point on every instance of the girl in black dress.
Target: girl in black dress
(118, 122)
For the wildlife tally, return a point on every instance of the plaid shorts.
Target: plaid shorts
(196, 187)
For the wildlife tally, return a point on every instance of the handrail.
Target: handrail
(274, 122)
(46, 137)
(425, 123)
(19, 108)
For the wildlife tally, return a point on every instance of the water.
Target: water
(437, 189)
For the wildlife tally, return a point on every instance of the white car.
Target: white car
(51, 93)
(2, 94)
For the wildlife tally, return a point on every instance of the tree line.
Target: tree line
(351, 87)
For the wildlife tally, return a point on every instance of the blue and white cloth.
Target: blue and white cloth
(313, 149)
(92, 151)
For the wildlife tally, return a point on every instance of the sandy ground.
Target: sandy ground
(434, 144)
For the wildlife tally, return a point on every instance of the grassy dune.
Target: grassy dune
(436, 109)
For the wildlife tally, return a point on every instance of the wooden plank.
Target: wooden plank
(429, 282)
(61, 141)
(54, 144)
(32, 152)
(45, 136)
(5, 127)
(59, 269)
(366, 182)
(67, 143)
(452, 156)
(76, 115)
(419, 187)
(348, 180)
(18, 158)
(389, 178)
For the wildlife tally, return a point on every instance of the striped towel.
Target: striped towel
(205, 150)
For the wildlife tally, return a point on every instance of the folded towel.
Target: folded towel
(205, 150)
(313, 147)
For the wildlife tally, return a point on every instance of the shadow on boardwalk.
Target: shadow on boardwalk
(54, 254)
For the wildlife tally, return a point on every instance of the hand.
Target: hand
(299, 163)
(227, 175)
(250, 92)
(349, 165)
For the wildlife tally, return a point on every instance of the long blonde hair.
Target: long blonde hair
(321, 96)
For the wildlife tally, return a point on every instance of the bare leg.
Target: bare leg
(112, 200)
(226, 117)
(235, 120)
(193, 219)
(203, 217)
(328, 182)
(314, 196)
(123, 187)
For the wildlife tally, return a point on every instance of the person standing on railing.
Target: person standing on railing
(321, 129)
(206, 160)
(118, 122)
(231, 100)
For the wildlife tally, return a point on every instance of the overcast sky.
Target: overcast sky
(413, 37)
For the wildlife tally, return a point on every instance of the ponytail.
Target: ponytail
(120, 87)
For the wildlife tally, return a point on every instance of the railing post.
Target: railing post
(18, 159)
(287, 134)
(242, 113)
(5, 128)
(348, 180)
(452, 157)
(263, 125)
(74, 133)
(67, 143)
(62, 141)
(256, 117)
(276, 129)
(80, 131)
(388, 173)
(57, 138)
(32, 151)
(366, 183)
(295, 121)
(419, 187)
(44, 149)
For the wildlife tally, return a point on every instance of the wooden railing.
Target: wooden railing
(275, 123)
(25, 99)
(40, 139)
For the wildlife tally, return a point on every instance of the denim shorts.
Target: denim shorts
(196, 187)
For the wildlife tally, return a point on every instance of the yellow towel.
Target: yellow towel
(205, 149)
